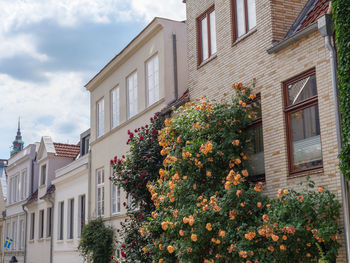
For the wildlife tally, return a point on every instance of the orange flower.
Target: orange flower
(154, 215)
(160, 247)
(243, 204)
(239, 192)
(165, 225)
(208, 173)
(265, 218)
(191, 220)
(171, 249)
(181, 233)
(274, 237)
(245, 173)
(259, 204)
(320, 189)
(233, 214)
(283, 247)
(194, 237)
(235, 142)
(285, 191)
(300, 198)
(185, 220)
(161, 260)
(284, 237)
(271, 248)
(231, 248)
(308, 255)
(208, 227)
(222, 233)
(194, 187)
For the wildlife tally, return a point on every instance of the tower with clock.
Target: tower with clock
(18, 143)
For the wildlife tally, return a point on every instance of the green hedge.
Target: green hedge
(341, 16)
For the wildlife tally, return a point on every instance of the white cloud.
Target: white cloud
(45, 109)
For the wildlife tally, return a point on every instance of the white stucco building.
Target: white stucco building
(145, 77)
(21, 183)
(71, 183)
(40, 206)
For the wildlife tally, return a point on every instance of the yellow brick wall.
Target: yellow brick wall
(247, 59)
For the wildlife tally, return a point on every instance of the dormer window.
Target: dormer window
(244, 17)
(43, 175)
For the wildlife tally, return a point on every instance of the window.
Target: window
(14, 235)
(115, 107)
(60, 220)
(100, 117)
(131, 83)
(244, 17)
(206, 35)
(32, 226)
(43, 174)
(303, 125)
(255, 163)
(41, 223)
(152, 80)
(115, 199)
(21, 235)
(49, 222)
(17, 187)
(70, 219)
(23, 185)
(100, 192)
(81, 214)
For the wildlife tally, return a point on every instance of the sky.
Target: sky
(49, 49)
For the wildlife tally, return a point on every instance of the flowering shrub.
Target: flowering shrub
(207, 211)
(196, 201)
(132, 172)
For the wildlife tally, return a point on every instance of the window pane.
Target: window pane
(251, 14)
(204, 35)
(302, 90)
(212, 33)
(100, 117)
(240, 20)
(152, 80)
(306, 141)
(115, 107)
(132, 94)
(255, 162)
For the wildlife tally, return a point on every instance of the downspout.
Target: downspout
(25, 234)
(326, 30)
(52, 216)
(175, 67)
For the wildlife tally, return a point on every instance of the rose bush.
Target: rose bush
(200, 205)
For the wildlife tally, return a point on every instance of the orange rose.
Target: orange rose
(208, 227)
(194, 237)
(171, 249)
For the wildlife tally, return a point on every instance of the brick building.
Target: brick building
(278, 43)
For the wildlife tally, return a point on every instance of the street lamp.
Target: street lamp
(13, 259)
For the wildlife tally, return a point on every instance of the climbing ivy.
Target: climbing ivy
(341, 17)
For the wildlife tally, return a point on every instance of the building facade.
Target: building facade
(277, 43)
(71, 194)
(21, 171)
(147, 75)
(39, 206)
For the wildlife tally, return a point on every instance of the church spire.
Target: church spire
(18, 142)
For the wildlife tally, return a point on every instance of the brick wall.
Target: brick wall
(283, 15)
(247, 59)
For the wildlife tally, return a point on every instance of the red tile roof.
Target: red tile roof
(66, 150)
(318, 10)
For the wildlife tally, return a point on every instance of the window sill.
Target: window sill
(303, 173)
(207, 61)
(241, 38)
(70, 240)
(31, 241)
(41, 239)
(59, 241)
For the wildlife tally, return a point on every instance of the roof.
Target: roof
(66, 150)
(50, 189)
(176, 103)
(309, 15)
(33, 197)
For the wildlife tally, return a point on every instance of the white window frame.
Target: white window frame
(132, 101)
(81, 216)
(32, 226)
(23, 184)
(152, 79)
(41, 223)
(70, 219)
(43, 174)
(100, 188)
(60, 226)
(115, 106)
(100, 117)
(14, 234)
(21, 234)
(49, 222)
(116, 202)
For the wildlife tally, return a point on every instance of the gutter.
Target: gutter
(294, 38)
(325, 27)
